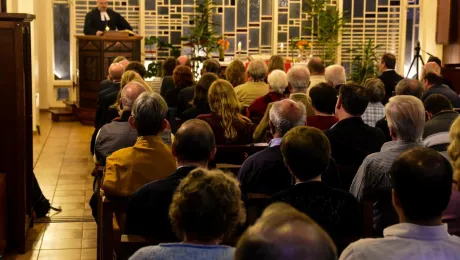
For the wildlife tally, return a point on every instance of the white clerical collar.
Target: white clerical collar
(105, 16)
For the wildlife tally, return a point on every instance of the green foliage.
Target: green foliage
(162, 46)
(155, 69)
(327, 24)
(202, 36)
(365, 62)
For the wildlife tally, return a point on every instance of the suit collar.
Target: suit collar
(183, 171)
(351, 121)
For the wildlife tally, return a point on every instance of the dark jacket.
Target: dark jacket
(336, 211)
(193, 112)
(167, 84)
(351, 141)
(440, 122)
(265, 172)
(382, 124)
(172, 98)
(93, 22)
(185, 96)
(445, 91)
(105, 84)
(148, 207)
(389, 78)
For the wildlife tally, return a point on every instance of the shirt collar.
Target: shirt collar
(105, 16)
(298, 94)
(275, 142)
(399, 145)
(408, 230)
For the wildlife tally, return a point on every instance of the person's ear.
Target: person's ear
(271, 127)
(339, 103)
(428, 116)
(173, 149)
(393, 134)
(213, 154)
(164, 125)
(131, 122)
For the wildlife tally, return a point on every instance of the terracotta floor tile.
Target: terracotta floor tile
(61, 243)
(63, 193)
(65, 226)
(53, 234)
(76, 199)
(89, 254)
(89, 225)
(89, 243)
(68, 254)
(72, 205)
(60, 187)
(29, 255)
(66, 212)
(33, 245)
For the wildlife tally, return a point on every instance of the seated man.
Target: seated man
(323, 100)
(433, 85)
(149, 159)
(351, 139)
(307, 152)
(335, 76)
(422, 185)
(118, 134)
(255, 87)
(406, 117)
(265, 171)
(441, 115)
(147, 213)
(284, 233)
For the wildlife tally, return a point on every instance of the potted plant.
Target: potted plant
(365, 62)
(149, 43)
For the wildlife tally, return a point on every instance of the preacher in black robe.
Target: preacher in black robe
(94, 23)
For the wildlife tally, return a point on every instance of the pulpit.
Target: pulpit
(16, 132)
(95, 54)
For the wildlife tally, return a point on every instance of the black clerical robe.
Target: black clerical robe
(93, 22)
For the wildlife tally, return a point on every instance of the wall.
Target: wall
(428, 29)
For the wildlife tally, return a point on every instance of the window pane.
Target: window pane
(61, 15)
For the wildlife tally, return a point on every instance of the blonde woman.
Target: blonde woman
(229, 126)
(127, 77)
(452, 213)
(236, 73)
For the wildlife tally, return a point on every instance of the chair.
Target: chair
(236, 154)
(255, 205)
(371, 196)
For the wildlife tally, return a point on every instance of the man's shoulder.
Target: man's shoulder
(356, 250)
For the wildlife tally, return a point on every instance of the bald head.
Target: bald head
(129, 93)
(286, 114)
(432, 67)
(184, 60)
(411, 87)
(316, 66)
(194, 142)
(284, 233)
(116, 71)
(124, 63)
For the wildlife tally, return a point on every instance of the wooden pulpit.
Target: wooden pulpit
(95, 54)
(16, 157)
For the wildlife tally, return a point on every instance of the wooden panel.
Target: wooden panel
(3, 213)
(443, 22)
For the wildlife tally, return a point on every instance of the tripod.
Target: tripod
(417, 58)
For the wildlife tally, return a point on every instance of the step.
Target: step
(62, 115)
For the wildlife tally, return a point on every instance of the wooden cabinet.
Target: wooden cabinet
(16, 123)
(95, 54)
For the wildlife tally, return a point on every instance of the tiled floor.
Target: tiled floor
(63, 166)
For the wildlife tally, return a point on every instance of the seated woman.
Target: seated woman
(200, 100)
(236, 73)
(375, 91)
(228, 125)
(167, 82)
(182, 77)
(323, 100)
(277, 81)
(206, 208)
(276, 63)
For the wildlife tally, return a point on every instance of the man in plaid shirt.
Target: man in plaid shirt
(375, 111)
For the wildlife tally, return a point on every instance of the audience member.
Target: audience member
(422, 186)
(433, 85)
(316, 68)
(411, 87)
(236, 73)
(137, 67)
(440, 115)
(128, 76)
(335, 76)
(438, 62)
(276, 63)
(182, 77)
(307, 153)
(200, 104)
(375, 111)
(351, 139)
(205, 209)
(167, 83)
(299, 80)
(225, 119)
(451, 215)
(107, 83)
(265, 172)
(255, 87)
(284, 233)
(184, 61)
(432, 67)
(406, 117)
(323, 100)
(277, 81)
(122, 61)
(106, 97)
(149, 159)
(119, 59)
(186, 94)
(389, 77)
(118, 134)
(147, 213)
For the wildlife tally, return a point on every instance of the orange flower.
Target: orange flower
(224, 44)
(302, 44)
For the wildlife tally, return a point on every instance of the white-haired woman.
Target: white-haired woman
(277, 80)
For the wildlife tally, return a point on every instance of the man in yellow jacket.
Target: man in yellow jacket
(149, 159)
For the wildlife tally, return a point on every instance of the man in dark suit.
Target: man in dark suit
(148, 207)
(389, 76)
(265, 171)
(433, 85)
(107, 97)
(351, 139)
(103, 19)
(186, 94)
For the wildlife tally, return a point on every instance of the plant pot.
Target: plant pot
(221, 55)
